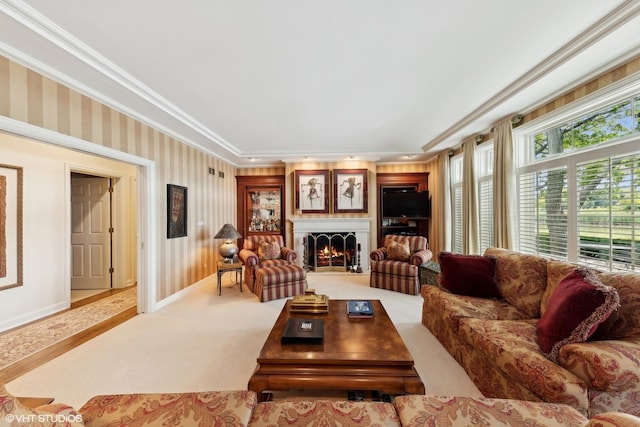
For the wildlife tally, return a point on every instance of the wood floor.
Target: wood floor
(31, 362)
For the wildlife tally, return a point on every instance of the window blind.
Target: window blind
(608, 207)
(543, 213)
(485, 195)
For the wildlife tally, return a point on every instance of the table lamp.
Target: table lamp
(228, 249)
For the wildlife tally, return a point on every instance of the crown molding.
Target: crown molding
(39, 24)
(605, 26)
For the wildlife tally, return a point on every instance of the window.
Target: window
(613, 122)
(485, 194)
(608, 207)
(579, 188)
(456, 200)
(543, 212)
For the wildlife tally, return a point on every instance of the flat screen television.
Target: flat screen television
(406, 204)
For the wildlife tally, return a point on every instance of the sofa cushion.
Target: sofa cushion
(625, 321)
(621, 401)
(453, 307)
(511, 347)
(229, 408)
(314, 412)
(398, 250)
(611, 365)
(471, 275)
(521, 279)
(578, 305)
(418, 411)
(12, 412)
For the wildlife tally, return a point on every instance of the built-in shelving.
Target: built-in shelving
(411, 181)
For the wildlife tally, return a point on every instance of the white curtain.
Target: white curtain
(444, 205)
(470, 219)
(504, 193)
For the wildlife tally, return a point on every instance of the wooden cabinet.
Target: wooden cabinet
(261, 202)
(400, 182)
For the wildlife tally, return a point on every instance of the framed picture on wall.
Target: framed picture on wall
(10, 226)
(176, 211)
(312, 191)
(350, 191)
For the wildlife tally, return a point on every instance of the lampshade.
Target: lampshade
(228, 249)
(227, 231)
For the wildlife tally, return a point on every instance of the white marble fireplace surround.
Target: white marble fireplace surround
(360, 226)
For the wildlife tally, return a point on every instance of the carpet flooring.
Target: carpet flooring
(205, 341)
(20, 343)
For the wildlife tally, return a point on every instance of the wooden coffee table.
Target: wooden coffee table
(356, 354)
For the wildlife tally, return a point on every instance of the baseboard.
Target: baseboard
(24, 319)
(181, 293)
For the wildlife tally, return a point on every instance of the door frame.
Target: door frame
(145, 201)
(120, 218)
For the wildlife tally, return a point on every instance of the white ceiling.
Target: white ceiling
(282, 80)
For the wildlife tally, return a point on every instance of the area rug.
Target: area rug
(25, 341)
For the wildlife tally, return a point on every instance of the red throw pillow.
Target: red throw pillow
(471, 275)
(578, 305)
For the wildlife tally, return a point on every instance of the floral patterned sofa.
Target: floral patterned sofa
(240, 408)
(496, 339)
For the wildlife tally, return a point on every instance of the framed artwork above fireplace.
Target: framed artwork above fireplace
(350, 191)
(312, 191)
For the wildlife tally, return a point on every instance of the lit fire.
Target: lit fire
(325, 253)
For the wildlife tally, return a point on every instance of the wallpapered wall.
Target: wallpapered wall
(29, 97)
(605, 79)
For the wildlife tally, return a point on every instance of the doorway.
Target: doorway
(142, 207)
(102, 233)
(91, 228)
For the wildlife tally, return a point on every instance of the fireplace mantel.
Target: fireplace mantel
(360, 226)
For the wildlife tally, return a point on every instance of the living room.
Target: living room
(52, 125)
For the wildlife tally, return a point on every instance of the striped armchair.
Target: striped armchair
(252, 261)
(390, 271)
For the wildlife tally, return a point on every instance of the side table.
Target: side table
(429, 272)
(227, 267)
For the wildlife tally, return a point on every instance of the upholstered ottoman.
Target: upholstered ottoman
(280, 281)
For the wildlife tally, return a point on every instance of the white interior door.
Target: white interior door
(90, 233)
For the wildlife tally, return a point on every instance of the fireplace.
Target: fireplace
(333, 251)
(358, 228)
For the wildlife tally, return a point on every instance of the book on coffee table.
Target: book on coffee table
(303, 331)
(359, 309)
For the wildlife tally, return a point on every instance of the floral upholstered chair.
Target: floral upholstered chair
(395, 266)
(264, 251)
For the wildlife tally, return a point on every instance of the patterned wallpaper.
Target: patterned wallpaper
(29, 97)
(611, 76)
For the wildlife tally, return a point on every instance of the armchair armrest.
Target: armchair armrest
(420, 257)
(288, 254)
(379, 254)
(248, 257)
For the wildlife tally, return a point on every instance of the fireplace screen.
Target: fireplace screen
(331, 251)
